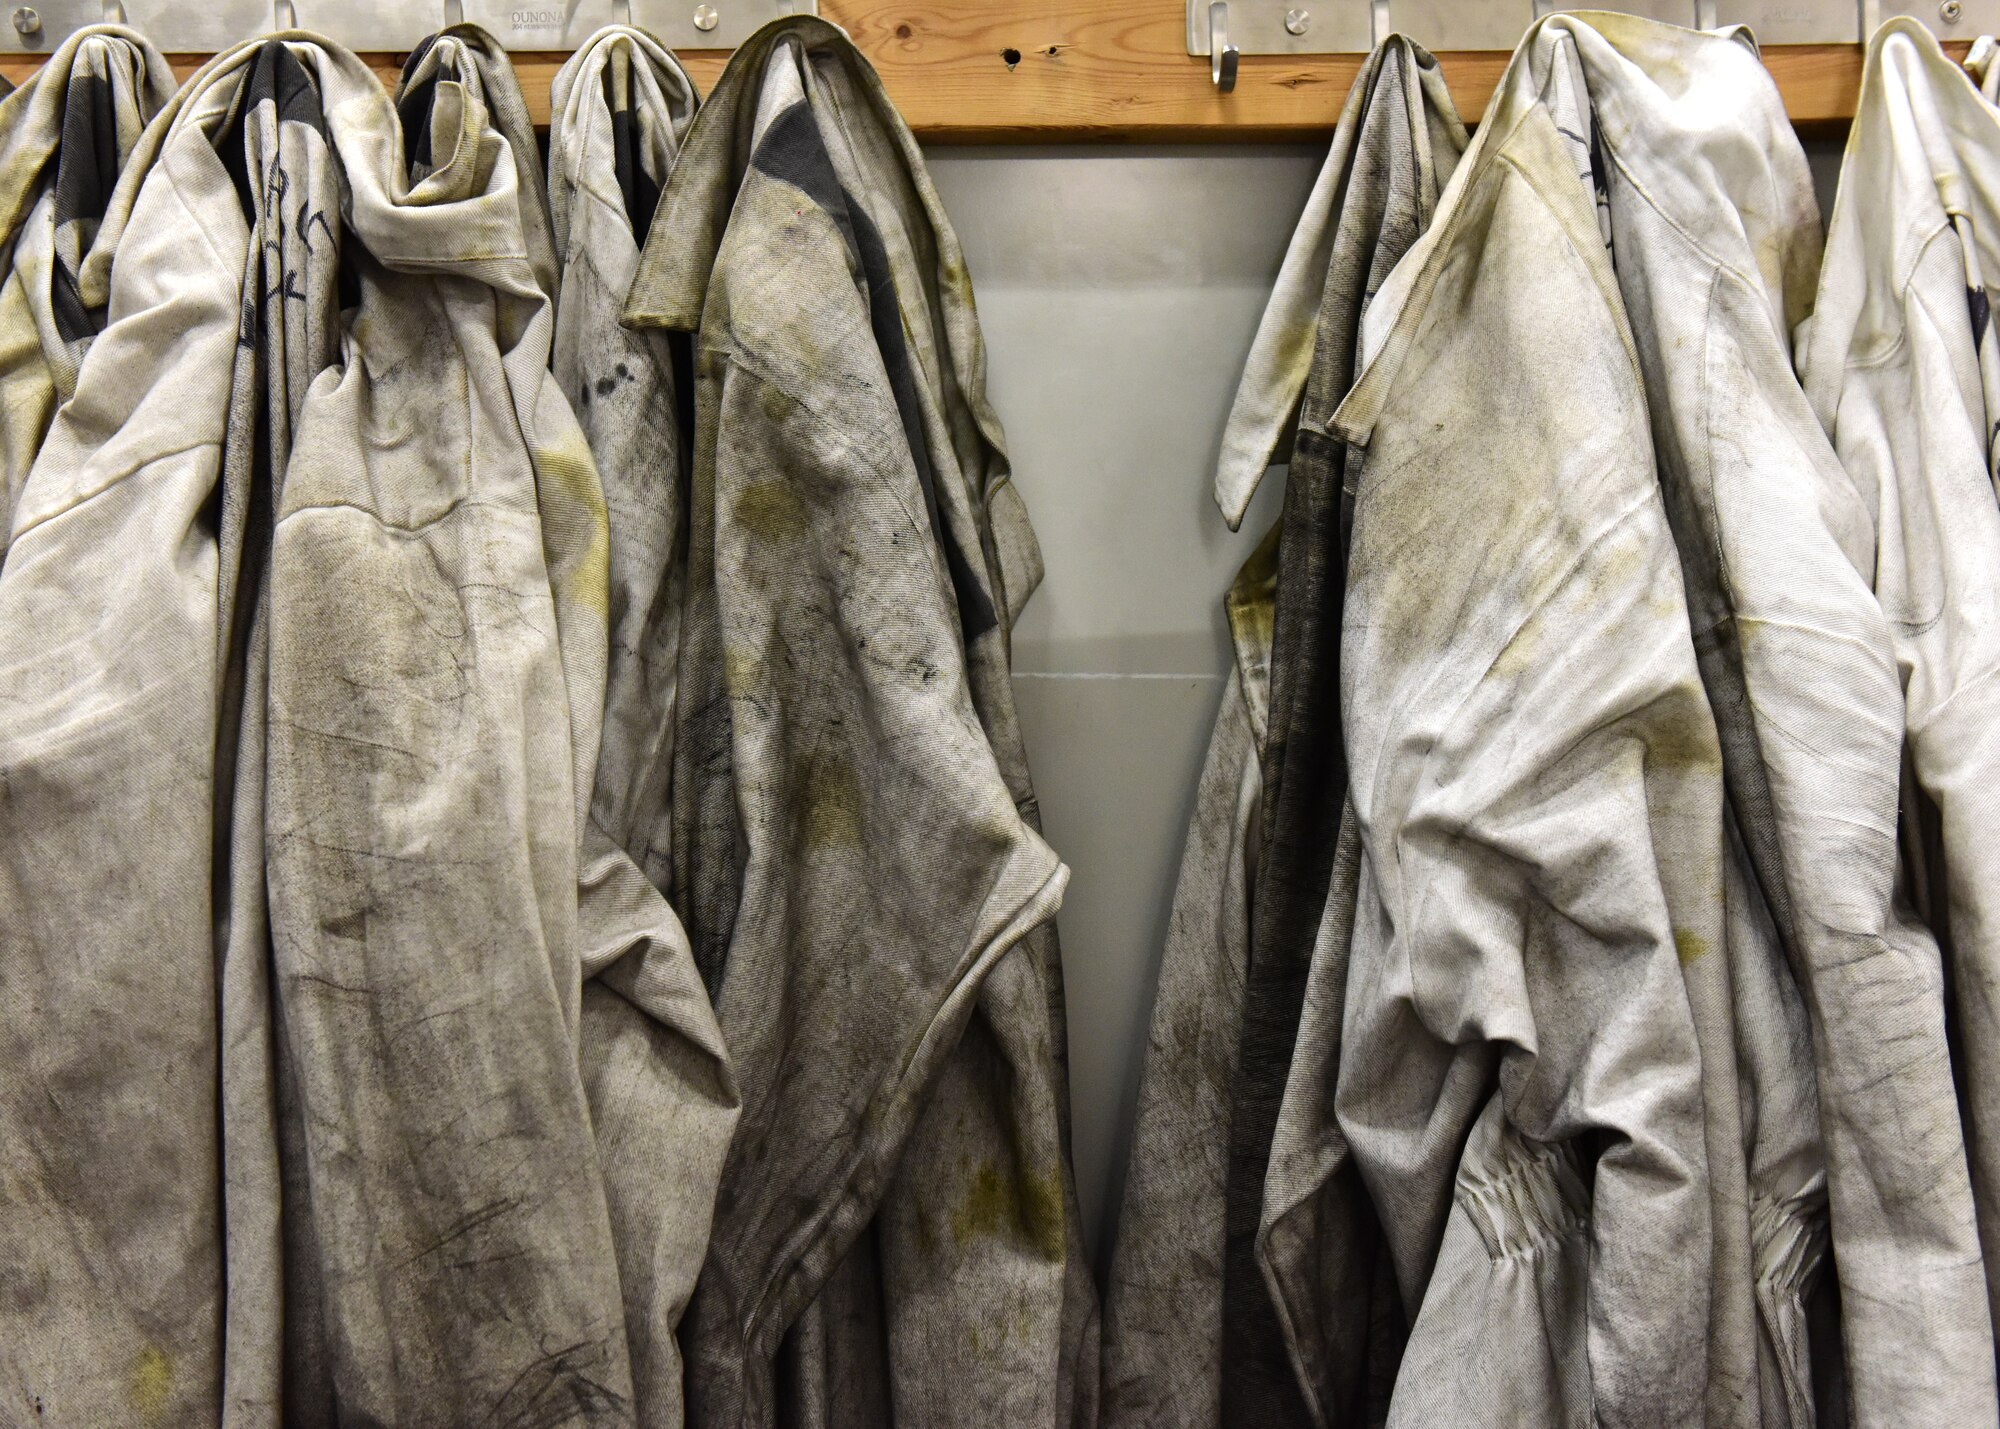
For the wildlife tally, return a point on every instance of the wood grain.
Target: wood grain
(1116, 70)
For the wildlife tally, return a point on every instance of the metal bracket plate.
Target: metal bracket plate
(203, 26)
(1303, 27)
(1947, 19)
(1461, 24)
(1259, 27)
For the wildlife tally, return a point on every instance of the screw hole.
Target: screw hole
(1011, 56)
(903, 32)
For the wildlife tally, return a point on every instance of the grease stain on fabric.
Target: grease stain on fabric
(996, 1205)
(1689, 946)
(152, 1381)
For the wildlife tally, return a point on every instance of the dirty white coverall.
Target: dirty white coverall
(314, 563)
(1563, 946)
(896, 1238)
(662, 1102)
(1900, 362)
(1193, 1333)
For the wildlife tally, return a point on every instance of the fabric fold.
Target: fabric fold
(1306, 1330)
(855, 849)
(1901, 365)
(662, 1097)
(65, 136)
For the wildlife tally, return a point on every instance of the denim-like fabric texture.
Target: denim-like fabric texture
(1407, 140)
(867, 884)
(1164, 1307)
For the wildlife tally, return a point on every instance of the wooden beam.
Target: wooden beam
(1012, 71)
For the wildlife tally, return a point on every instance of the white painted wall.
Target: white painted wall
(1119, 291)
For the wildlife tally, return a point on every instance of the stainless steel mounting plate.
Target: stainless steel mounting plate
(1461, 24)
(1257, 27)
(203, 26)
(1794, 22)
(1960, 20)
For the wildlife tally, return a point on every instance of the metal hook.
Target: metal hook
(454, 13)
(114, 12)
(625, 13)
(1222, 52)
(284, 15)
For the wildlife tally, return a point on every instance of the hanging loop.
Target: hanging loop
(1222, 52)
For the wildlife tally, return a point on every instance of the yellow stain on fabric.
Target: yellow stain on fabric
(1518, 656)
(576, 524)
(833, 805)
(1684, 743)
(741, 669)
(152, 1381)
(771, 511)
(1252, 601)
(996, 1204)
(1689, 946)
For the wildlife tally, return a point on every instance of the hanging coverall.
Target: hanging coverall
(64, 138)
(620, 107)
(1899, 359)
(1714, 236)
(110, 1272)
(362, 551)
(1192, 1336)
(862, 880)
(1559, 956)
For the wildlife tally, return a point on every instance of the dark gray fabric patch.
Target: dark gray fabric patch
(793, 151)
(1383, 209)
(414, 101)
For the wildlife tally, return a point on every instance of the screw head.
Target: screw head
(26, 21)
(1297, 22)
(1949, 11)
(705, 18)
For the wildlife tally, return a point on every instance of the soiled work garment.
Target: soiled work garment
(1193, 1334)
(437, 631)
(1706, 208)
(111, 1275)
(1654, 162)
(662, 1100)
(1537, 784)
(852, 515)
(402, 598)
(1903, 367)
(64, 139)
(174, 438)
